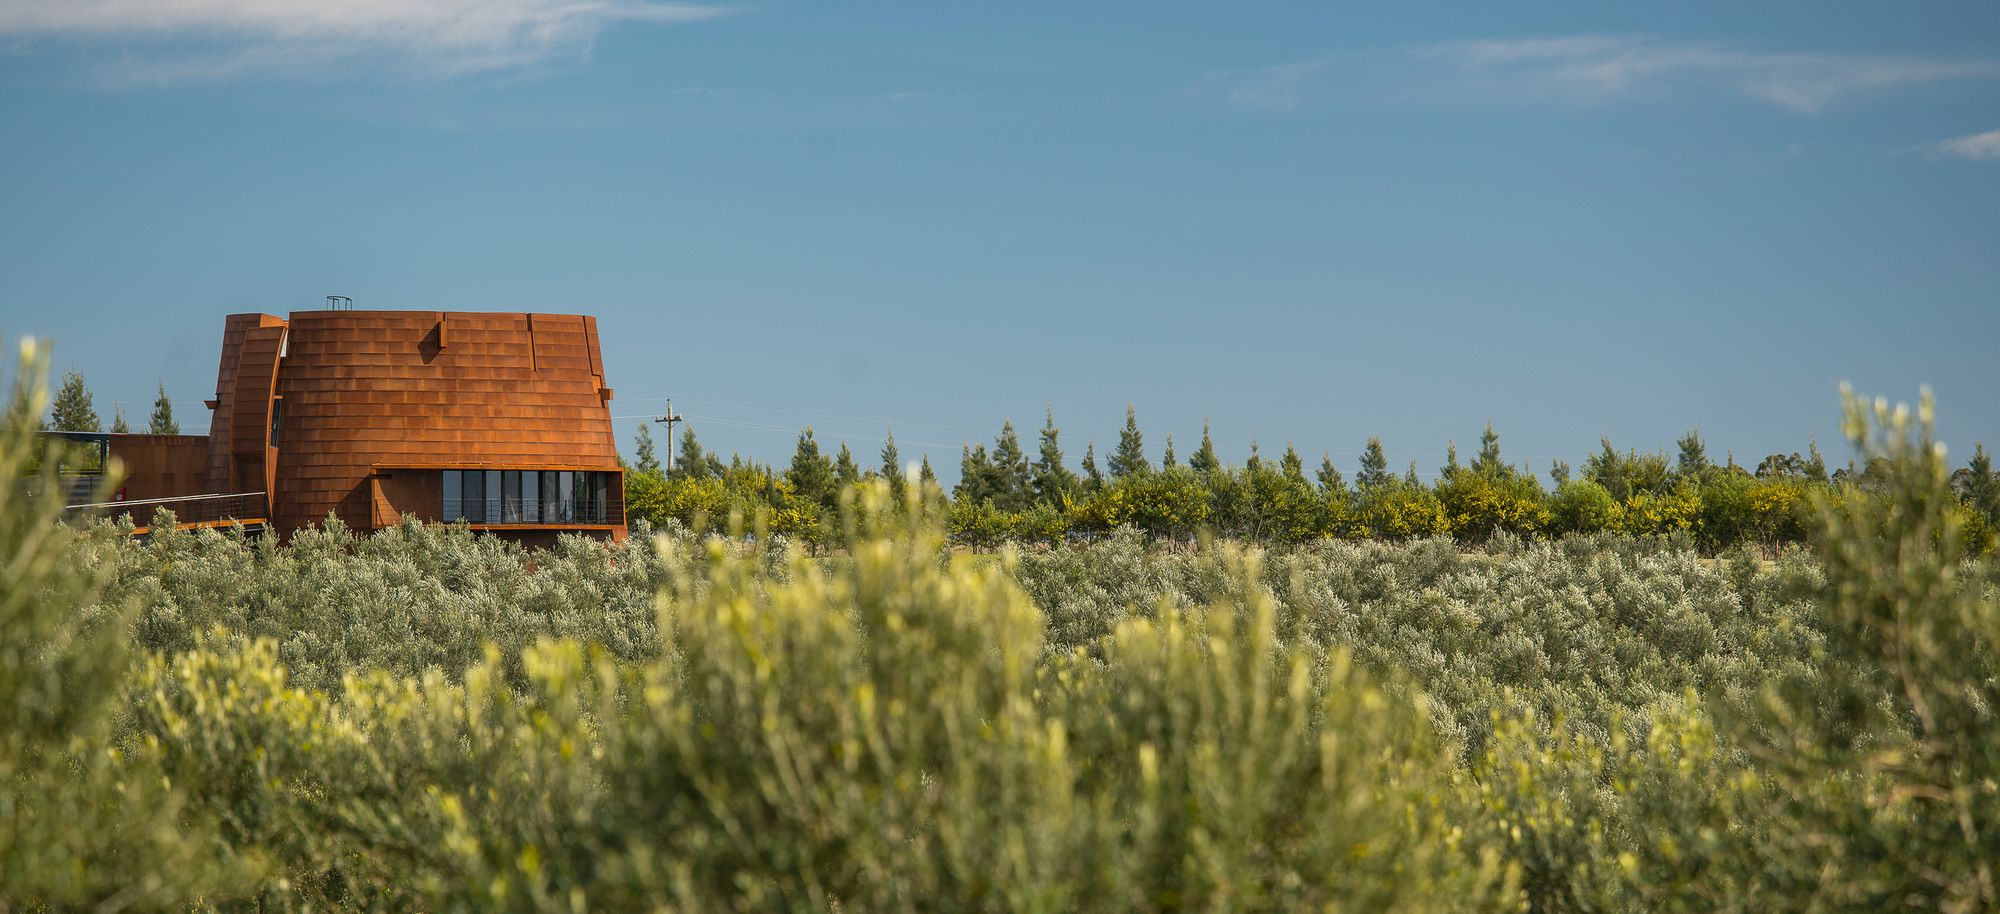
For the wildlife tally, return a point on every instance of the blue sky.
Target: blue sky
(1306, 222)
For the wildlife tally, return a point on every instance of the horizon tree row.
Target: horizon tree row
(1002, 495)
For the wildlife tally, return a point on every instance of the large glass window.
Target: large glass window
(551, 498)
(510, 496)
(465, 496)
(526, 496)
(600, 489)
(475, 497)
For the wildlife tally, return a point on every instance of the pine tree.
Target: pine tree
(1488, 462)
(1981, 488)
(72, 411)
(1130, 457)
(1053, 480)
(975, 475)
(1374, 465)
(892, 468)
(163, 416)
(1167, 459)
(1330, 481)
(118, 426)
(845, 474)
(1693, 460)
(1204, 460)
(643, 458)
(1410, 475)
(811, 474)
(1256, 461)
(1815, 465)
(1012, 484)
(1606, 468)
(1558, 472)
(926, 477)
(1290, 464)
(1092, 479)
(1450, 467)
(693, 462)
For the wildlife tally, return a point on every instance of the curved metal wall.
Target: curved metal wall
(359, 390)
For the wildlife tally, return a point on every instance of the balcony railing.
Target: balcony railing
(544, 513)
(188, 510)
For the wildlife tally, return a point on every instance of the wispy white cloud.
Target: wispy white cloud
(182, 40)
(1979, 146)
(1605, 67)
(1274, 88)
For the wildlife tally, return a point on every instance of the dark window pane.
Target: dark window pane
(531, 497)
(600, 490)
(492, 496)
(474, 495)
(454, 496)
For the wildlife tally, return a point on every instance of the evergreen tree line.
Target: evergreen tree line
(73, 410)
(799, 501)
(1004, 494)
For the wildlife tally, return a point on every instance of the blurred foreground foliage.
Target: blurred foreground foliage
(425, 719)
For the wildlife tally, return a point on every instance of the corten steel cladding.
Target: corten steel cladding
(160, 466)
(356, 413)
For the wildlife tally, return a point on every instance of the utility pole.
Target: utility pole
(668, 420)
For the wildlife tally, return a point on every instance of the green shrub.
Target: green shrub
(1583, 506)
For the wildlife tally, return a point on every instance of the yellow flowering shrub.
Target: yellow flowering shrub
(1780, 510)
(1172, 503)
(1649, 513)
(1480, 504)
(1400, 511)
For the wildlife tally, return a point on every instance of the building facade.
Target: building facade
(499, 420)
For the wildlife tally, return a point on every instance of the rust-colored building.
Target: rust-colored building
(500, 420)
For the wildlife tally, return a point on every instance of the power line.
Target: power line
(982, 432)
(796, 412)
(790, 430)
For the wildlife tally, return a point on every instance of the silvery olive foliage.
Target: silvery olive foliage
(83, 824)
(406, 599)
(425, 719)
